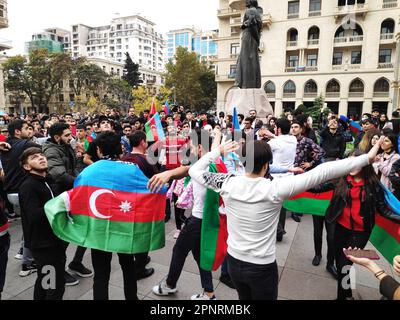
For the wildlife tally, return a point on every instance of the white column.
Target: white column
(343, 107)
(278, 107)
(367, 107)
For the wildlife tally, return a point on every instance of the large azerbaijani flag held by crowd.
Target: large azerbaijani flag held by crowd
(110, 209)
(214, 230)
(386, 235)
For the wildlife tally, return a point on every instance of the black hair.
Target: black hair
(57, 129)
(241, 116)
(109, 144)
(222, 114)
(27, 153)
(301, 124)
(394, 139)
(284, 125)
(302, 118)
(261, 153)
(81, 126)
(136, 138)
(396, 114)
(15, 125)
(249, 119)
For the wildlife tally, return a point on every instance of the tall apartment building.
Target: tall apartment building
(55, 40)
(201, 42)
(4, 45)
(133, 34)
(345, 50)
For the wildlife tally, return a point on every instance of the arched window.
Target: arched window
(349, 28)
(270, 88)
(313, 33)
(387, 26)
(289, 88)
(382, 85)
(311, 87)
(357, 86)
(292, 35)
(333, 86)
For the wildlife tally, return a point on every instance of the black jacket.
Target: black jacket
(395, 179)
(62, 165)
(34, 193)
(14, 174)
(373, 201)
(333, 144)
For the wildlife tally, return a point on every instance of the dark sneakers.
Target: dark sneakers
(317, 261)
(80, 270)
(144, 274)
(27, 270)
(70, 280)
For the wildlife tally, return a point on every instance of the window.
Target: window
(311, 87)
(385, 55)
(337, 58)
(387, 26)
(293, 61)
(315, 5)
(270, 87)
(235, 48)
(333, 86)
(312, 60)
(289, 87)
(61, 97)
(293, 7)
(356, 57)
(382, 85)
(71, 97)
(232, 72)
(313, 34)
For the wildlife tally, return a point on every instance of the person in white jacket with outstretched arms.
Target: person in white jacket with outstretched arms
(253, 204)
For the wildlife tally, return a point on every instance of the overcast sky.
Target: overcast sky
(31, 16)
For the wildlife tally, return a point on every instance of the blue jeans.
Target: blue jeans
(4, 246)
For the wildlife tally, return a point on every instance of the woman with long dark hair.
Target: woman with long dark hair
(384, 162)
(357, 198)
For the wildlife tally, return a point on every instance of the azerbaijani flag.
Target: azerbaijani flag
(153, 109)
(110, 209)
(214, 231)
(385, 236)
(154, 129)
(355, 128)
(167, 110)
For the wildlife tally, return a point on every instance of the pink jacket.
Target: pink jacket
(384, 167)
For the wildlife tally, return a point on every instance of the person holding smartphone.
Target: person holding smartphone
(389, 287)
(357, 198)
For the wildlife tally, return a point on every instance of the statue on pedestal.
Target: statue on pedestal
(248, 71)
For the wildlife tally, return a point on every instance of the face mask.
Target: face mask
(2, 123)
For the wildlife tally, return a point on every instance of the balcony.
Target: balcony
(5, 44)
(387, 37)
(310, 95)
(381, 94)
(291, 44)
(337, 67)
(313, 42)
(267, 20)
(3, 22)
(332, 95)
(389, 4)
(359, 9)
(227, 13)
(385, 65)
(348, 41)
(234, 56)
(237, 4)
(287, 95)
(290, 69)
(356, 94)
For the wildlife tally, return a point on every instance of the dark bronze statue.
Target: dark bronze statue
(248, 72)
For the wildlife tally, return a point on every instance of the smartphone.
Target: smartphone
(369, 254)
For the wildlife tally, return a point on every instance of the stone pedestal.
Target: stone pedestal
(248, 99)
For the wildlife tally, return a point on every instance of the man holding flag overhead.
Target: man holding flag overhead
(110, 210)
(253, 204)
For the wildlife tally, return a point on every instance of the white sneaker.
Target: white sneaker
(163, 290)
(203, 296)
(177, 233)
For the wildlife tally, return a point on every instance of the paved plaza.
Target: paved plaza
(299, 280)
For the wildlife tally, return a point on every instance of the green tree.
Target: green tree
(131, 72)
(119, 93)
(190, 80)
(39, 77)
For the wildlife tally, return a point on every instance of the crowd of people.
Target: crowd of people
(42, 155)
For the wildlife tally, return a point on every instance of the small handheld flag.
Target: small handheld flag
(154, 129)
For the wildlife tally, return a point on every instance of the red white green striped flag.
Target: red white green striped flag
(110, 209)
(214, 231)
(385, 236)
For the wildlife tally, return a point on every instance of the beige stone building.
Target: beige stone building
(4, 45)
(345, 50)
